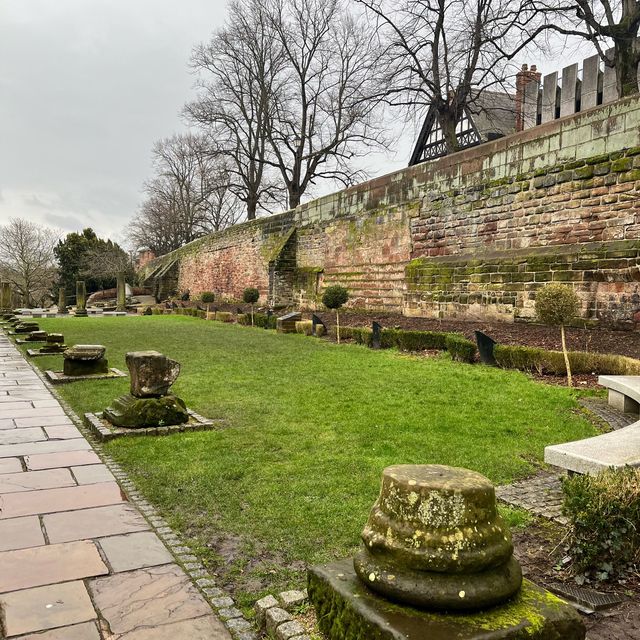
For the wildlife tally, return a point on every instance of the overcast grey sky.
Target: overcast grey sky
(86, 87)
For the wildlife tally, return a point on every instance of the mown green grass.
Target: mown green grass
(309, 427)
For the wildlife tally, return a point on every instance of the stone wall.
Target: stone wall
(474, 233)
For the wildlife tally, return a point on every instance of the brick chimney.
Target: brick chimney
(523, 78)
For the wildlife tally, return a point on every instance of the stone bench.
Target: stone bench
(624, 392)
(616, 449)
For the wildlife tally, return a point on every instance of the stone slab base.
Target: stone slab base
(21, 341)
(36, 353)
(104, 430)
(57, 377)
(347, 610)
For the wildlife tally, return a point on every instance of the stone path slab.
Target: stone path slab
(77, 560)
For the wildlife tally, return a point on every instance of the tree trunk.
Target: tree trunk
(447, 121)
(294, 197)
(566, 356)
(626, 61)
(252, 315)
(338, 326)
(252, 207)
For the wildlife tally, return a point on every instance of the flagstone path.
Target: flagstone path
(77, 560)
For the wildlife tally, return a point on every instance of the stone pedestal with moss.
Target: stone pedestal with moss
(149, 404)
(436, 562)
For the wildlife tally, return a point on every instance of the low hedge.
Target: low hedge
(264, 321)
(304, 326)
(460, 348)
(542, 361)
(224, 316)
(604, 513)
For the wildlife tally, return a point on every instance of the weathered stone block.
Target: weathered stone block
(262, 606)
(274, 618)
(152, 373)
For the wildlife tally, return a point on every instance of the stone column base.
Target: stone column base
(347, 610)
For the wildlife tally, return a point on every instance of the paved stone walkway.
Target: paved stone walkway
(77, 560)
(540, 494)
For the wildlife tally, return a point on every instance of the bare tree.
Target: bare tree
(236, 70)
(605, 23)
(445, 54)
(323, 113)
(27, 259)
(189, 196)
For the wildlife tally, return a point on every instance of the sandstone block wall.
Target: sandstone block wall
(474, 233)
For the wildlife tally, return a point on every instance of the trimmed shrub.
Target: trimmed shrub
(201, 313)
(522, 358)
(460, 348)
(334, 296)
(250, 295)
(362, 335)
(321, 330)
(604, 512)
(264, 321)
(304, 326)
(541, 361)
(224, 316)
(421, 340)
(346, 333)
(243, 319)
(557, 304)
(207, 297)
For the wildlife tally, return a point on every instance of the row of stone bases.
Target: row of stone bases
(436, 564)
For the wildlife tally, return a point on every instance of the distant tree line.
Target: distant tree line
(37, 261)
(293, 93)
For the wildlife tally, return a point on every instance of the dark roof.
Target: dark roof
(491, 115)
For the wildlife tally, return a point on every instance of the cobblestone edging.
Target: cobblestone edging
(221, 602)
(273, 615)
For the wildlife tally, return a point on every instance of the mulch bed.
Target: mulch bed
(626, 343)
(540, 548)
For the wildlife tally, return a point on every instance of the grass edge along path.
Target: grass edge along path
(310, 426)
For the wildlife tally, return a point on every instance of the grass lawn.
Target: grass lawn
(310, 426)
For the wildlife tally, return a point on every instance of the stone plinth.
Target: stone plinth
(26, 327)
(347, 610)
(434, 539)
(152, 373)
(85, 359)
(37, 336)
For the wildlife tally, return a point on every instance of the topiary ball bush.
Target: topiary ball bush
(557, 304)
(250, 295)
(207, 297)
(334, 296)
